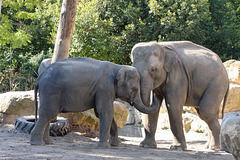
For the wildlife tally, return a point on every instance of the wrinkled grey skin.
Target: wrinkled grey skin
(79, 84)
(183, 73)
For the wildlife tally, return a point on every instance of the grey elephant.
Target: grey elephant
(79, 84)
(182, 73)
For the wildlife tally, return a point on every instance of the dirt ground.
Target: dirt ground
(16, 146)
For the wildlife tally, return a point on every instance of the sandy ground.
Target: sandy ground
(15, 145)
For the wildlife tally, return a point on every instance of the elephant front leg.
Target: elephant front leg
(114, 140)
(106, 118)
(150, 127)
(175, 119)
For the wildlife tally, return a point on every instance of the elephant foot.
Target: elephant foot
(212, 147)
(48, 141)
(37, 142)
(178, 148)
(114, 141)
(148, 144)
(103, 145)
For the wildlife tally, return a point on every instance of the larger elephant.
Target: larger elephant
(78, 84)
(182, 73)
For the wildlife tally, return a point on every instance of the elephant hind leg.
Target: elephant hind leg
(213, 131)
(208, 111)
(46, 136)
(37, 133)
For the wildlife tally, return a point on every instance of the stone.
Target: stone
(189, 109)
(191, 122)
(230, 134)
(233, 99)
(120, 113)
(163, 121)
(233, 70)
(86, 119)
(187, 121)
(198, 125)
(134, 116)
(89, 120)
(16, 104)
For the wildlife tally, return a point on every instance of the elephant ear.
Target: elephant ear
(121, 76)
(171, 58)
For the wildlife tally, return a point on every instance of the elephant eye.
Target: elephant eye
(153, 70)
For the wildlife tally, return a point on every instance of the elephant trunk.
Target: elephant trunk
(146, 92)
(138, 104)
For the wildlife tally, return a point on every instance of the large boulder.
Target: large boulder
(191, 122)
(230, 134)
(18, 104)
(233, 70)
(90, 121)
(15, 104)
(233, 100)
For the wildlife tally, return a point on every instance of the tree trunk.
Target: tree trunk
(65, 30)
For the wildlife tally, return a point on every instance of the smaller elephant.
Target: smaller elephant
(79, 84)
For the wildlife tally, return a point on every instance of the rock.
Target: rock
(120, 113)
(188, 109)
(191, 122)
(230, 134)
(233, 100)
(233, 69)
(86, 119)
(15, 104)
(134, 116)
(198, 125)
(163, 121)
(187, 121)
(89, 120)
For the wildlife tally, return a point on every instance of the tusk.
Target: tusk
(151, 97)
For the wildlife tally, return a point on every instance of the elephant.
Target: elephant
(184, 74)
(78, 84)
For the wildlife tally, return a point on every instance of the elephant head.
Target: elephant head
(128, 89)
(153, 61)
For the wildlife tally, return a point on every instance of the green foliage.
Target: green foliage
(20, 78)
(226, 28)
(108, 29)
(182, 20)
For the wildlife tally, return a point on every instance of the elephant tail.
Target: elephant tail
(225, 101)
(36, 87)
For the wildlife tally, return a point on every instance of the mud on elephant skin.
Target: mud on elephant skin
(78, 84)
(182, 73)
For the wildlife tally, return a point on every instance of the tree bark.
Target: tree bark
(65, 30)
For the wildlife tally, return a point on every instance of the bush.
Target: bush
(22, 72)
